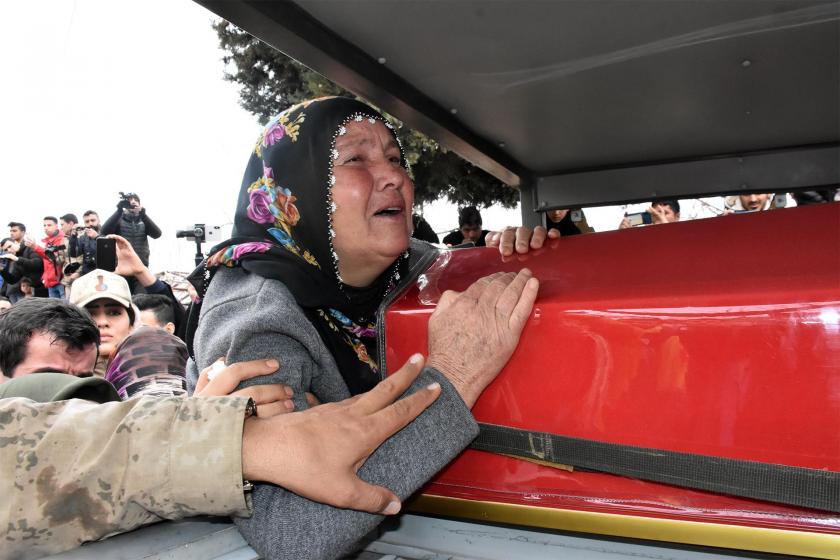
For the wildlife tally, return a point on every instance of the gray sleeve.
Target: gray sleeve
(266, 323)
(284, 525)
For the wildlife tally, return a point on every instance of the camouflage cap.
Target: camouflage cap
(51, 386)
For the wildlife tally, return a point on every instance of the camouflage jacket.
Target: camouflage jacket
(75, 471)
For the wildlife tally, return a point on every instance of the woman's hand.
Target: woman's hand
(472, 334)
(520, 239)
(219, 380)
(317, 453)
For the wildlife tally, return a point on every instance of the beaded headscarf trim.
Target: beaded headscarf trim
(341, 130)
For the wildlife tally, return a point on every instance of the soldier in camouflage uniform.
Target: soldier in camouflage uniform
(77, 471)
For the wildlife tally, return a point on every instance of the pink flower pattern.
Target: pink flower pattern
(259, 208)
(252, 247)
(273, 133)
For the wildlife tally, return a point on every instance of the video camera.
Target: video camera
(51, 249)
(125, 201)
(197, 233)
(200, 233)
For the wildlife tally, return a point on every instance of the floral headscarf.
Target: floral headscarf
(283, 231)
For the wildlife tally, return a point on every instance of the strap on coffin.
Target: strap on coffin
(797, 486)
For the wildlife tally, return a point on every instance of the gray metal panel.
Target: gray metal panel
(778, 171)
(528, 200)
(198, 538)
(527, 88)
(575, 84)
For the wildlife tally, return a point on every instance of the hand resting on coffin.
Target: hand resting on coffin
(472, 334)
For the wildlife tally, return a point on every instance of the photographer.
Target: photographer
(660, 212)
(17, 262)
(52, 253)
(131, 222)
(82, 244)
(72, 263)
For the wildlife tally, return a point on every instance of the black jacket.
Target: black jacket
(30, 265)
(135, 228)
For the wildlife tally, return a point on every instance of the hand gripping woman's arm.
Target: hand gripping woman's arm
(247, 317)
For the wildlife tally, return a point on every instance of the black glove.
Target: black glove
(123, 204)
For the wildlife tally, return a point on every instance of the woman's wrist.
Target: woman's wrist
(468, 391)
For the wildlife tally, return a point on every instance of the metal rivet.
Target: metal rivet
(381, 60)
(746, 63)
(453, 111)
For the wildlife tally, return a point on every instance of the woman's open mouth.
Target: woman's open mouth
(391, 211)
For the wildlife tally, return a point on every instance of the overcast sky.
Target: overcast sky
(102, 96)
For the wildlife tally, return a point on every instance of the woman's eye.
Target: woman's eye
(353, 159)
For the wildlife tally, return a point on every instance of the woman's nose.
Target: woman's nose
(389, 175)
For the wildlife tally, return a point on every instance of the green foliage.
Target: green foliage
(270, 82)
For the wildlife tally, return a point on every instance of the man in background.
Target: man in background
(16, 263)
(17, 231)
(156, 311)
(131, 222)
(469, 229)
(753, 202)
(72, 263)
(51, 250)
(82, 244)
(661, 212)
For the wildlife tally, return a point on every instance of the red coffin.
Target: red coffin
(717, 337)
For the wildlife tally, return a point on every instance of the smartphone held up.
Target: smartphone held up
(639, 219)
(106, 254)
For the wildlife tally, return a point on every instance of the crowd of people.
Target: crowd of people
(572, 221)
(49, 267)
(284, 319)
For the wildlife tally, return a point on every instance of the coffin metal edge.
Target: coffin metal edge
(739, 537)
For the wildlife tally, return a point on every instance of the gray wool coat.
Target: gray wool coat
(246, 317)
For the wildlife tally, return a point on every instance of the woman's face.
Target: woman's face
(373, 197)
(113, 322)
